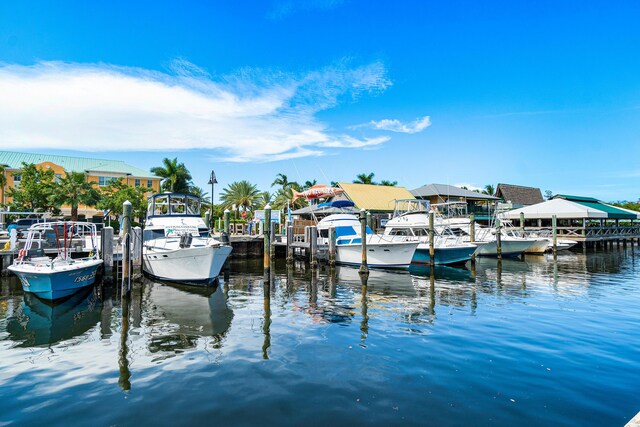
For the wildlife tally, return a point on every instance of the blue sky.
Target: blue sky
(545, 94)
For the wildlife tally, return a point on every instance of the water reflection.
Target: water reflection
(37, 322)
(177, 316)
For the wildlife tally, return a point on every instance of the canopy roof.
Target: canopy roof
(564, 208)
(380, 198)
(444, 190)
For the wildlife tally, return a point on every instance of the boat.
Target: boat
(411, 219)
(177, 244)
(382, 251)
(54, 278)
(543, 240)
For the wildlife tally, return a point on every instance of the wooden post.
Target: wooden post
(369, 222)
(498, 239)
(554, 230)
(522, 223)
(106, 251)
(226, 221)
(432, 231)
(332, 246)
(364, 268)
(207, 219)
(137, 246)
(472, 228)
(313, 230)
(267, 238)
(126, 247)
(290, 244)
(272, 239)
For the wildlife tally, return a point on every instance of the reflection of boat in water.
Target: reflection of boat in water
(38, 322)
(180, 314)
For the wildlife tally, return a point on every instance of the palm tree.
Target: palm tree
(264, 198)
(198, 192)
(309, 184)
(363, 178)
(176, 176)
(282, 180)
(240, 193)
(489, 189)
(388, 183)
(283, 197)
(74, 189)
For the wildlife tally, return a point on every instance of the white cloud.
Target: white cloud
(253, 115)
(394, 125)
(471, 187)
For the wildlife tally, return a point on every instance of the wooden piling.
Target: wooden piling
(472, 228)
(106, 251)
(522, 223)
(272, 239)
(432, 250)
(207, 219)
(364, 268)
(332, 246)
(290, 244)
(137, 246)
(267, 238)
(226, 221)
(126, 247)
(498, 239)
(369, 220)
(554, 230)
(313, 230)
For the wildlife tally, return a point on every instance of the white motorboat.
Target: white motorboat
(382, 251)
(178, 246)
(411, 219)
(59, 277)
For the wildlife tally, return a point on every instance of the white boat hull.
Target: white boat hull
(194, 265)
(540, 246)
(509, 248)
(379, 255)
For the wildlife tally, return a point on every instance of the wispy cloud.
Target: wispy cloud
(468, 186)
(284, 8)
(394, 125)
(252, 115)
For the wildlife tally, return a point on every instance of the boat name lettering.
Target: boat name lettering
(85, 277)
(177, 230)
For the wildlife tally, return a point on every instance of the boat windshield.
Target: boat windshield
(170, 204)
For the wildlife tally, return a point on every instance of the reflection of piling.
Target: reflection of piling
(106, 251)
(313, 246)
(432, 249)
(364, 268)
(266, 325)
(290, 244)
(126, 247)
(498, 239)
(554, 228)
(267, 240)
(123, 353)
(332, 246)
(499, 273)
(364, 323)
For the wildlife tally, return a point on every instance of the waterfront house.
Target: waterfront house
(100, 171)
(518, 196)
(481, 205)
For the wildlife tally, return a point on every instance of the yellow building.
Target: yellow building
(100, 171)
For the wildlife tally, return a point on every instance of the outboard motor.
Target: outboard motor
(185, 240)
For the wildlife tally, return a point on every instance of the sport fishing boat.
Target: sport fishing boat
(382, 251)
(411, 219)
(59, 277)
(178, 246)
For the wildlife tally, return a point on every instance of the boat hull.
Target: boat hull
(443, 255)
(379, 255)
(509, 248)
(52, 284)
(540, 246)
(193, 266)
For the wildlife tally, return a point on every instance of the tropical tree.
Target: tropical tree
(264, 198)
(281, 180)
(363, 178)
(36, 190)
(388, 183)
(3, 178)
(489, 189)
(309, 184)
(243, 194)
(548, 194)
(177, 177)
(284, 197)
(113, 196)
(73, 189)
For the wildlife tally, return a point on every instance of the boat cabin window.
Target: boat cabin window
(420, 232)
(178, 205)
(193, 206)
(324, 233)
(161, 205)
(400, 232)
(458, 231)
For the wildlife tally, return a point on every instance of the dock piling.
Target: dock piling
(522, 223)
(267, 240)
(126, 247)
(290, 244)
(554, 227)
(106, 251)
(313, 231)
(472, 228)
(498, 239)
(272, 239)
(432, 250)
(364, 268)
(332, 246)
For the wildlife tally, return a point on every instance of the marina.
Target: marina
(496, 343)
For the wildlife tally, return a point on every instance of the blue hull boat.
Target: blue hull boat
(443, 255)
(57, 283)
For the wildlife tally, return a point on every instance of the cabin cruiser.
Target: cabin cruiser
(382, 251)
(61, 276)
(178, 246)
(411, 219)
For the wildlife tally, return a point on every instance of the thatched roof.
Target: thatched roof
(519, 195)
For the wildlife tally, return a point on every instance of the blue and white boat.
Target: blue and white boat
(411, 220)
(54, 278)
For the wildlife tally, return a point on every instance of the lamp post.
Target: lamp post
(212, 181)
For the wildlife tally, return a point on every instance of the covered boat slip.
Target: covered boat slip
(582, 219)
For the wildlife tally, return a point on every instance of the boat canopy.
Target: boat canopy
(337, 204)
(173, 204)
(578, 208)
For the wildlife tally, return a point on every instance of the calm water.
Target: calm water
(532, 343)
